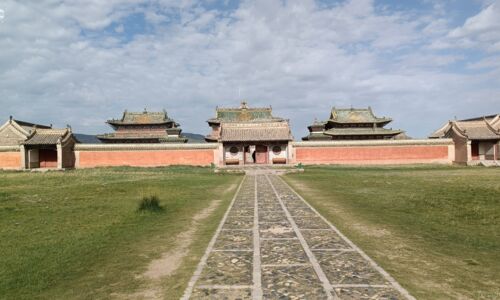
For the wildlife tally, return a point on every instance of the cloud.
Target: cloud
(63, 63)
(481, 30)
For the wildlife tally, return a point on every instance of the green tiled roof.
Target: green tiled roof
(361, 131)
(243, 114)
(355, 115)
(142, 118)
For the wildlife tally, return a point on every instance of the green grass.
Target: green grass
(78, 235)
(435, 229)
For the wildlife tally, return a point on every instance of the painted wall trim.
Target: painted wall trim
(9, 149)
(140, 147)
(374, 143)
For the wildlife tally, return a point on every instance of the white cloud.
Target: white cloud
(481, 30)
(296, 55)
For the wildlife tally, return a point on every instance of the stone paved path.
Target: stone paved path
(272, 245)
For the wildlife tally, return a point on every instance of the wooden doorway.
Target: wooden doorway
(261, 154)
(48, 158)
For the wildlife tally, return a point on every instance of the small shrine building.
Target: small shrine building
(352, 124)
(40, 146)
(476, 139)
(250, 136)
(143, 127)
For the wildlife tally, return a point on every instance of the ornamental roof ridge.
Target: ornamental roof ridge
(355, 115)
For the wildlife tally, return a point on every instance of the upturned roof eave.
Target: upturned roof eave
(378, 121)
(119, 122)
(385, 132)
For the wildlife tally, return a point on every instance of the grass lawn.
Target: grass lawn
(78, 235)
(435, 229)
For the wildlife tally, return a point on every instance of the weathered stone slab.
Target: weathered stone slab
(297, 282)
(273, 217)
(227, 268)
(239, 223)
(348, 268)
(282, 252)
(234, 240)
(241, 211)
(311, 223)
(222, 294)
(324, 239)
(276, 230)
(368, 293)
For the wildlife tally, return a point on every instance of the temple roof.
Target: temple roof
(485, 128)
(355, 115)
(141, 136)
(142, 118)
(272, 131)
(29, 126)
(361, 131)
(48, 136)
(244, 114)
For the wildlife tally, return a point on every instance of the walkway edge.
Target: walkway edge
(387, 276)
(203, 261)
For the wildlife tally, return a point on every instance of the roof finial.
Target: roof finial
(244, 104)
(10, 119)
(145, 111)
(50, 125)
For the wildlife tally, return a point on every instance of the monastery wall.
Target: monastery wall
(374, 152)
(145, 155)
(10, 157)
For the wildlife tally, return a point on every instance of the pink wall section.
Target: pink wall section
(195, 157)
(373, 154)
(10, 160)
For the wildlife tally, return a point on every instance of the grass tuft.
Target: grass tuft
(150, 204)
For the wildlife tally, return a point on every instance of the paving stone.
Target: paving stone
(348, 268)
(301, 212)
(234, 240)
(286, 272)
(248, 211)
(282, 252)
(324, 239)
(298, 282)
(239, 223)
(227, 268)
(368, 293)
(311, 223)
(276, 230)
(222, 294)
(273, 217)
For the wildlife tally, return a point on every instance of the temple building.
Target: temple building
(250, 136)
(13, 132)
(352, 124)
(144, 127)
(40, 146)
(477, 140)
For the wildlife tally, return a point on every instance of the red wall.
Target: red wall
(10, 160)
(372, 154)
(151, 158)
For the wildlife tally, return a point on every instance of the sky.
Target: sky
(420, 62)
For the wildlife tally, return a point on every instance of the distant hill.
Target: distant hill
(92, 139)
(194, 137)
(87, 138)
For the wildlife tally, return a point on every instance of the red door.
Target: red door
(261, 154)
(47, 158)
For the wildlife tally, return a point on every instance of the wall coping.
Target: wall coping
(142, 147)
(421, 142)
(9, 149)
